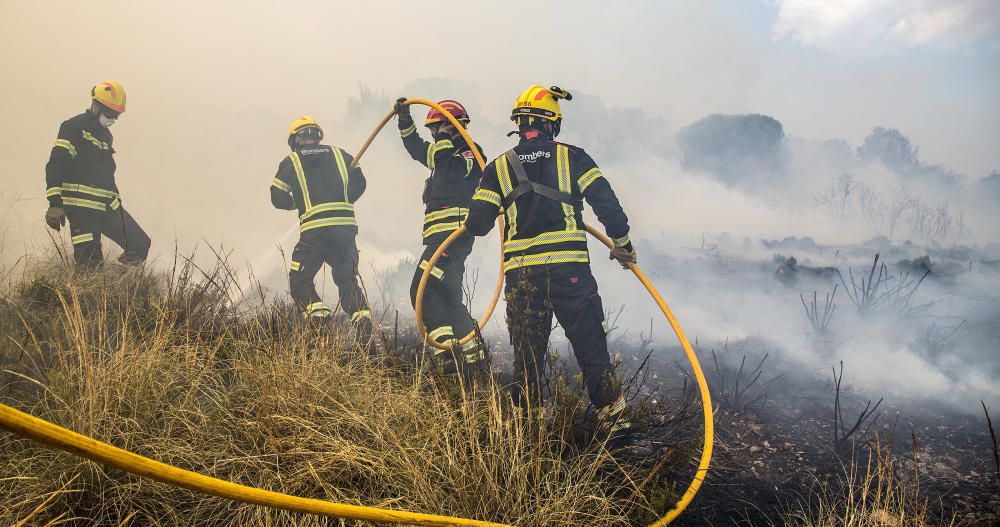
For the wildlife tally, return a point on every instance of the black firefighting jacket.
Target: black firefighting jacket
(315, 180)
(448, 190)
(81, 168)
(541, 230)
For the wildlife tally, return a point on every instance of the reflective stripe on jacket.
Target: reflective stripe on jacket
(448, 190)
(541, 230)
(315, 180)
(81, 167)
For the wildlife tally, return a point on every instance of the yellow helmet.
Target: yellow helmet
(302, 125)
(540, 102)
(110, 94)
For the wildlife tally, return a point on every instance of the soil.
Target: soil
(773, 459)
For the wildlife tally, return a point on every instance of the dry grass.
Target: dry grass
(875, 492)
(165, 367)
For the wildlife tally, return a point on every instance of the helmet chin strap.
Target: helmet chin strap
(544, 129)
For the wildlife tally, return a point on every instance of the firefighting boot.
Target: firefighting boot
(446, 362)
(361, 322)
(474, 361)
(620, 432)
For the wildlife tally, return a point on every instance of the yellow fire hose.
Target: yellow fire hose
(498, 288)
(706, 399)
(58, 437)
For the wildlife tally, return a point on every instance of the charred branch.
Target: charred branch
(993, 437)
(820, 318)
(882, 292)
(740, 390)
(867, 418)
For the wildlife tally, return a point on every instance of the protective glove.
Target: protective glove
(400, 108)
(55, 217)
(626, 256)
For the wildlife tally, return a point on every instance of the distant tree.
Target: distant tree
(990, 185)
(900, 202)
(837, 149)
(931, 222)
(936, 174)
(836, 153)
(741, 150)
(839, 196)
(895, 151)
(890, 147)
(366, 105)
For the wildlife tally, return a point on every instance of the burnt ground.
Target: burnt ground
(774, 446)
(772, 456)
(775, 449)
(775, 436)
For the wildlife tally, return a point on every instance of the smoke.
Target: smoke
(734, 185)
(878, 27)
(668, 99)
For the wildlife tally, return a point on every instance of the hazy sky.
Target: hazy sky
(212, 86)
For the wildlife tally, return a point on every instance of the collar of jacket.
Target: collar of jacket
(94, 125)
(310, 146)
(534, 135)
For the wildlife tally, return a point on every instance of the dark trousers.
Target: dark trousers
(444, 313)
(569, 291)
(340, 252)
(87, 228)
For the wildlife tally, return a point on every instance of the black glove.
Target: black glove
(400, 108)
(55, 217)
(403, 113)
(626, 256)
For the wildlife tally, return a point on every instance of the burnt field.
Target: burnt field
(781, 447)
(837, 373)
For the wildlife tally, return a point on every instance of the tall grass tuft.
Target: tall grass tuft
(875, 492)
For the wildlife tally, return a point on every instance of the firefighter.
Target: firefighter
(315, 180)
(454, 176)
(80, 181)
(540, 185)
